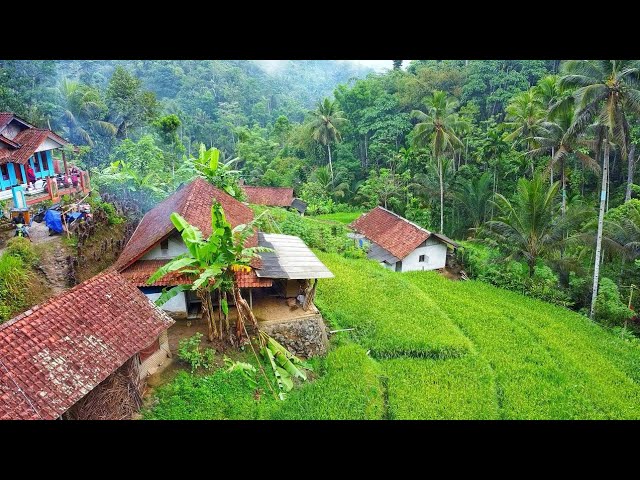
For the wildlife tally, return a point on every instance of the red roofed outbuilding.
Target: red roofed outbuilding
(399, 244)
(58, 353)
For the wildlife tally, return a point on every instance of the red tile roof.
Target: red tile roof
(54, 354)
(5, 118)
(392, 232)
(30, 140)
(138, 274)
(193, 201)
(271, 196)
(251, 280)
(9, 142)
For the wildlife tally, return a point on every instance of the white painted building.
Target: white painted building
(399, 244)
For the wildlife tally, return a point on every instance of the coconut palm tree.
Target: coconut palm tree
(475, 196)
(81, 106)
(525, 113)
(436, 129)
(604, 91)
(336, 187)
(552, 137)
(325, 125)
(528, 225)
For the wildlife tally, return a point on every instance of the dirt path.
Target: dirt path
(53, 257)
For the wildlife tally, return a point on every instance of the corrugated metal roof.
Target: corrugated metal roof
(292, 259)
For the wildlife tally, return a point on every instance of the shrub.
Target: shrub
(189, 351)
(610, 309)
(23, 248)
(112, 216)
(13, 279)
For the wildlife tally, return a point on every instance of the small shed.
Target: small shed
(83, 354)
(400, 244)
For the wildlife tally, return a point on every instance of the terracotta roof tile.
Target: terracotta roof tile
(29, 140)
(57, 352)
(140, 271)
(392, 232)
(271, 196)
(193, 201)
(5, 118)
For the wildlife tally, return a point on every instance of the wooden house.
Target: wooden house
(23, 145)
(399, 244)
(274, 197)
(273, 278)
(58, 358)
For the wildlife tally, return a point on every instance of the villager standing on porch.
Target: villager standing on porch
(31, 175)
(74, 177)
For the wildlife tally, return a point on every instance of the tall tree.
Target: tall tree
(436, 130)
(605, 91)
(325, 125)
(525, 113)
(529, 226)
(397, 64)
(81, 110)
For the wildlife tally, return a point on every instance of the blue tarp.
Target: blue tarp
(72, 216)
(53, 221)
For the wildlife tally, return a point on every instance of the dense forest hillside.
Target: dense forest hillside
(531, 162)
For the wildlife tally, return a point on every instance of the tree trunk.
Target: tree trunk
(532, 267)
(208, 313)
(564, 189)
(440, 173)
(330, 163)
(551, 165)
(603, 198)
(630, 165)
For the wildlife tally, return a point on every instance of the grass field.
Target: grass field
(425, 347)
(340, 217)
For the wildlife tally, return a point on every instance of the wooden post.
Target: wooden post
(64, 160)
(251, 298)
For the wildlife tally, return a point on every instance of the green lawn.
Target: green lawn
(340, 217)
(429, 348)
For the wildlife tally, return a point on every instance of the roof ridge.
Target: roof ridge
(405, 220)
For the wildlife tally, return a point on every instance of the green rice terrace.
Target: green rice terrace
(425, 347)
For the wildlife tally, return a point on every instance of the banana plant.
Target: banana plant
(211, 264)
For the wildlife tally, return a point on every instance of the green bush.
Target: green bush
(13, 279)
(219, 396)
(23, 248)
(190, 352)
(328, 237)
(610, 309)
(487, 265)
(112, 216)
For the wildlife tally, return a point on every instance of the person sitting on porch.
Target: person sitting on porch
(74, 177)
(31, 175)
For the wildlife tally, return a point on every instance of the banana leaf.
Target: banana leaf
(290, 356)
(267, 353)
(289, 367)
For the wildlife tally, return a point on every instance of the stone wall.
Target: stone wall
(304, 337)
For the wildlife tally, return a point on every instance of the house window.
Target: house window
(399, 266)
(421, 258)
(36, 164)
(164, 245)
(4, 170)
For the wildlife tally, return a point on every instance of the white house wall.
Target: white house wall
(48, 144)
(435, 257)
(176, 247)
(177, 306)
